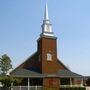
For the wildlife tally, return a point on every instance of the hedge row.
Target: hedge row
(4, 88)
(67, 88)
(73, 88)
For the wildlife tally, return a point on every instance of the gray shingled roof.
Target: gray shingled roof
(25, 73)
(61, 73)
(67, 73)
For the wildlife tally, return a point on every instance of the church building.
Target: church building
(43, 70)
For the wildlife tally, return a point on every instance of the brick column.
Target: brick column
(51, 83)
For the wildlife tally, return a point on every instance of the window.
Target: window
(49, 56)
(65, 81)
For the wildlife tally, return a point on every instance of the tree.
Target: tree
(5, 64)
(7, 81)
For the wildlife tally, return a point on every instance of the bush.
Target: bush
(4, 88)
(73, 88)
(50, 88)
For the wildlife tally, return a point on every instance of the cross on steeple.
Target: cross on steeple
(46, 26)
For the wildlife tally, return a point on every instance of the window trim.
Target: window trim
(49, 56)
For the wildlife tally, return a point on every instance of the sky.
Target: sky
(20, 27)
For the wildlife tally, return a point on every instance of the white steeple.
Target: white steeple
(46, 26)
(46, 17)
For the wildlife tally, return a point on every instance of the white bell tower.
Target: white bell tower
(46, 26)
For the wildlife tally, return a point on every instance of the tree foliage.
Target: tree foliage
(5, 64)
(7, 81)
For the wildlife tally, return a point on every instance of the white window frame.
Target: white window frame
(49, 57)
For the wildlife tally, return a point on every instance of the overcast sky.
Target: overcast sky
(20, 27)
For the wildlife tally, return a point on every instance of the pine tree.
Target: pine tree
(5, 64)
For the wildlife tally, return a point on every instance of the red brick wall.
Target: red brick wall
(39, 59)
(46, 45)
(51, 82)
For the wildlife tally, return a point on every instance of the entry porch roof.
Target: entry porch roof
(60, 74)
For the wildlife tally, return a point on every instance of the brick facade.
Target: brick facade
(45, 45)
(51, 82)
(48, 45)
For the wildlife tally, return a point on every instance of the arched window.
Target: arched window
(49, 56)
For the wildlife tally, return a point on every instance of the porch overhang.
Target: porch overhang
(24, 73)
(68, 74)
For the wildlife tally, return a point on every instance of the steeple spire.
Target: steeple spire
(46, 17)
(46, 26)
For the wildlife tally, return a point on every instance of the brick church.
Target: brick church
(43, 69)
